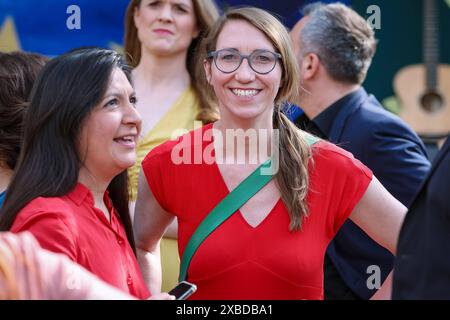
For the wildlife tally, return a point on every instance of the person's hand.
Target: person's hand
(162, 296)
(385, 291)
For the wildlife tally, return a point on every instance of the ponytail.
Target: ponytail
(292, 177)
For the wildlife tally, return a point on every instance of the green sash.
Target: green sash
(229, 205)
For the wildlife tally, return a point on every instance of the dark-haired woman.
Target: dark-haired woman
(70, 185)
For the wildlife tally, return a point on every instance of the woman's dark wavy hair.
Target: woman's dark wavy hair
(18, 72)
(66, 91)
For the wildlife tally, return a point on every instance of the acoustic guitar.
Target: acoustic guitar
(424, 90)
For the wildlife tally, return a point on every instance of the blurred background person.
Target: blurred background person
(28, 272)
(18, 71)
(334, 48)
(422, 267)
(161, 40)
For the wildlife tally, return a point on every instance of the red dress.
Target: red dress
(73, 226)
(238, 261)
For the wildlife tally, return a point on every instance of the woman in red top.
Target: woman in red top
(273, 246)
(70, 185)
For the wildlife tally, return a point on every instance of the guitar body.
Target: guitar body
(410, 87)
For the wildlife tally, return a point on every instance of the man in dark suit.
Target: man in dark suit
(334, 48)
(422, 266)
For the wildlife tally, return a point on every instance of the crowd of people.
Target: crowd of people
(114, 169)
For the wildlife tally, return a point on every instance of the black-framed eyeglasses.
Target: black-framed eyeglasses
(229, 60)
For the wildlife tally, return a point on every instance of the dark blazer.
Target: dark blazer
(397, 157)
(422, 267)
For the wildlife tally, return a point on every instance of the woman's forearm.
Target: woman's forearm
(385, 291)
(150, 265)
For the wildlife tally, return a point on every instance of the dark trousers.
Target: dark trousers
(334, 286)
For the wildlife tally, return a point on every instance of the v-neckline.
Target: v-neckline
(228, 191)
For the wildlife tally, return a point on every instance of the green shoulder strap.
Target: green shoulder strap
(229, 205)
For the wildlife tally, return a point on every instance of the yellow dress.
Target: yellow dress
(180, 116)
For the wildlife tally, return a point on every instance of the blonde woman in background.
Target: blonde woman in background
(161, 37)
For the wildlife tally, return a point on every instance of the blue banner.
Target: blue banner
(52, 27)
(288, 11)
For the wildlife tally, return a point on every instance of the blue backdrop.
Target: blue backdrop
(41, 25)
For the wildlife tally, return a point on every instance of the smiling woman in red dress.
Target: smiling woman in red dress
(70, 187)
(273, 247)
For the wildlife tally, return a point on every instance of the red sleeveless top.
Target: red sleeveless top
(238, 261)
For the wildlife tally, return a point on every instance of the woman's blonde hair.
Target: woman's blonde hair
(206, 13)
(294, 154)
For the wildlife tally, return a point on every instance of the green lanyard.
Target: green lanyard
(229, 205)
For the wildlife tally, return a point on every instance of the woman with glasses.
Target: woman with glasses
(273, 246)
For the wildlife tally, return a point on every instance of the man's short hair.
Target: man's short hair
(341, 38)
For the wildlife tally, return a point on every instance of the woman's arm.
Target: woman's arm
(45, 275)
(172, 230)
(385, 291)
(150, 224)
(381, 216)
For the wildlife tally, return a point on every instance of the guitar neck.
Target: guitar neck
(430, 42)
